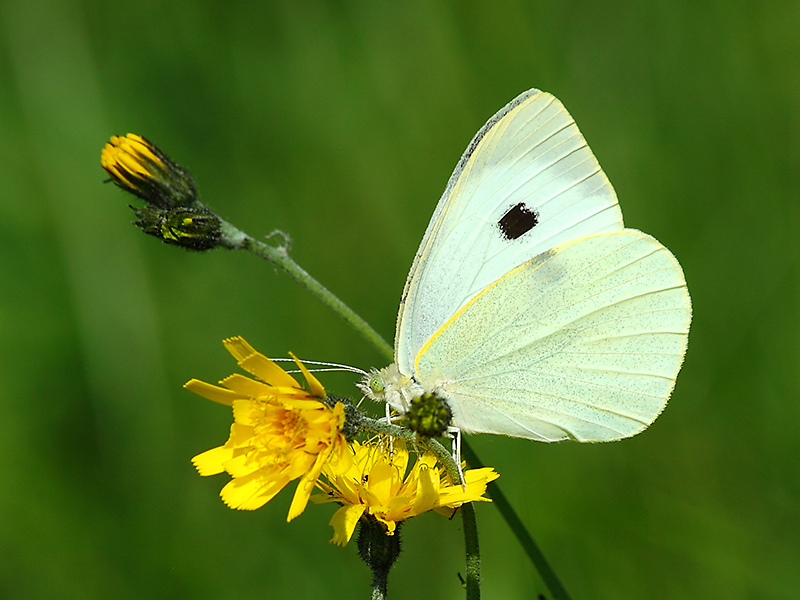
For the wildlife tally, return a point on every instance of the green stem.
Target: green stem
(379, 551)
(523, 537)
(235, 239)
(473, 553)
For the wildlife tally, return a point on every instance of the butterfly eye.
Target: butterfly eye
(376, 384)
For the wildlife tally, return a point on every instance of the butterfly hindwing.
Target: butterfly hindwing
(581, 342)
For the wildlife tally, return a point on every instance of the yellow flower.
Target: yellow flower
(139, 167)
(375, 484)
(281, 432)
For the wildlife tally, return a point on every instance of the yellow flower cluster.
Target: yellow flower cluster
(282, 432)
(379, 484)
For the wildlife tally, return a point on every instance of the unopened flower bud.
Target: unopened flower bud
(139, 167)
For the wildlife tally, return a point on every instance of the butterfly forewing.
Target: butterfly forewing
(527, 183)
(582, 342)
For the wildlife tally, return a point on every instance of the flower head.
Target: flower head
(375, 485)
(281, 432)
(139, 167)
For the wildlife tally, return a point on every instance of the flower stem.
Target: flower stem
(235, 239)
(379, 551)
(520, 532)
(473, 553)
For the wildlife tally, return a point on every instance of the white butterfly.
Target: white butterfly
(529, 307)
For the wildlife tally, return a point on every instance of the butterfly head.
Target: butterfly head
(391, 386)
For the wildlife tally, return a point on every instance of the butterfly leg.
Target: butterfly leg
(388, 418)
(454, 433)
(388, 413)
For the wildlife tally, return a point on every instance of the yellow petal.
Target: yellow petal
(238, 347)
(211, 461)
(382, 482)
(250, 493)
(304, 488)
(313, 383)
(266, 370)
(239, 465)
(212, 392)
(306, 404)
(326, 497)
(427, 491)
(399, 456)
(258, 364)
(244, 386)
(248, 411)
(344, 523)
(241, 434)
(390, 524)
(476, 480)
(341, 459)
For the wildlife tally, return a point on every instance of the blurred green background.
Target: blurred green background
(340, 123)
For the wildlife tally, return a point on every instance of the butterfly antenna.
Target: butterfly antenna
(323, 366)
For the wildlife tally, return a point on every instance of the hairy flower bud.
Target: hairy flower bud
(192, 228)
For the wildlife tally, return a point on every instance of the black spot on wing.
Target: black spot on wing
(517, 221)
